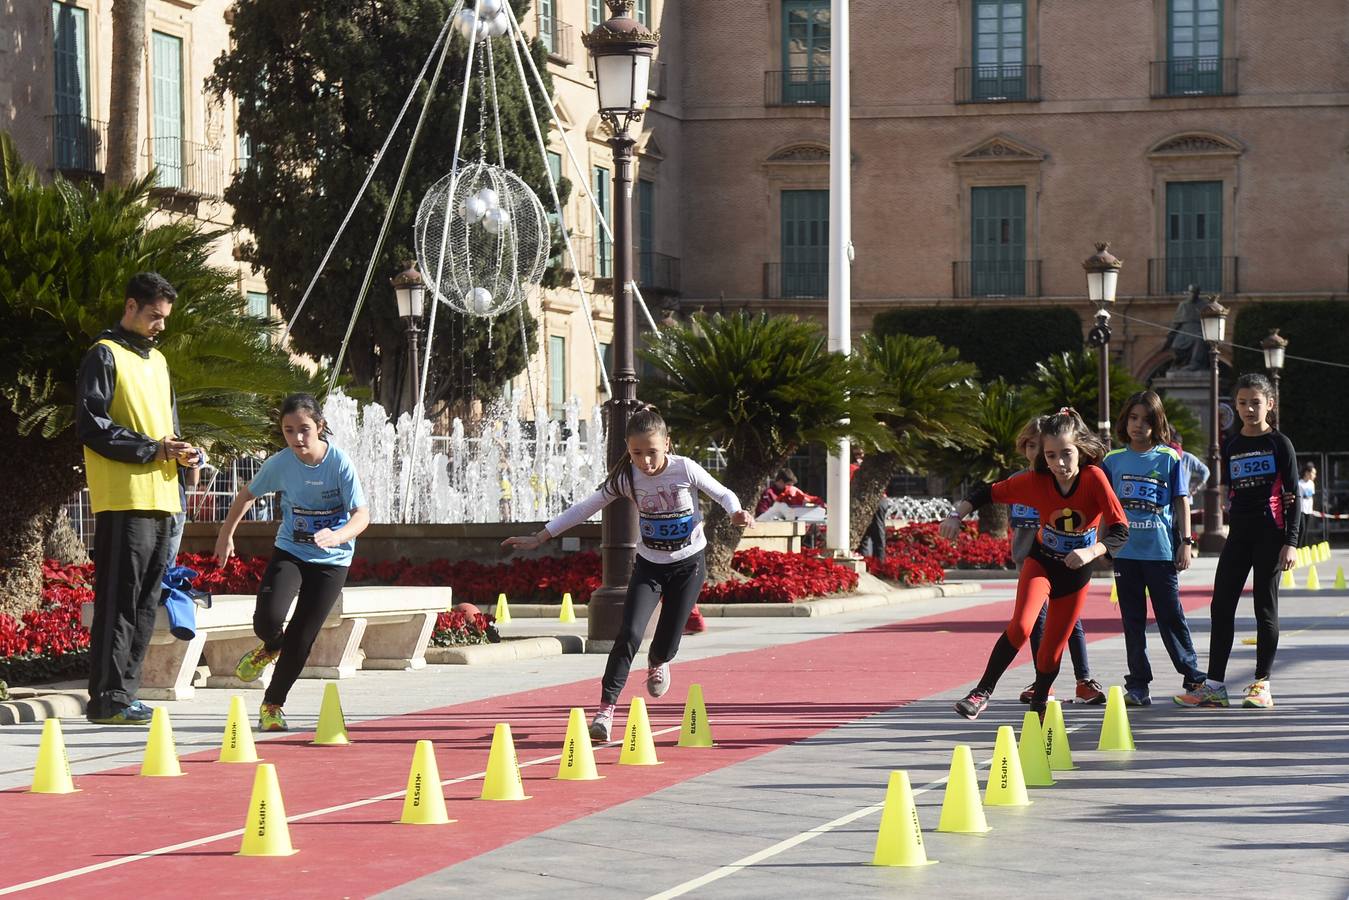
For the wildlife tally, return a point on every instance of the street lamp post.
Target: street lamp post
(1102, 277)
(1274, 347)
(622, 50)
(410, 290)
(1213, 322)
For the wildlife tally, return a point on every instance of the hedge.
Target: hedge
(1003, 341)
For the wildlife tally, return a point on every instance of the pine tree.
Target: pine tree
(319, 84)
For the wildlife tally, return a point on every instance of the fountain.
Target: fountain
(502, 474)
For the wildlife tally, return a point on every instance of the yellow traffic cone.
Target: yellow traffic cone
(1302, 557)
(1031, 750)
(1056, 739)
(900, 840)
(1323, 551)
(265, 829)
(1339, 578)
(332, 728)
(503, 610)
(237, 744)
(638, 747)
(161, 759)
(1287, 581)
(961, 811)
(567, 614)
(52, 774)
(1115, 731)
(1313, 580)
(1114, 593)
(503, 768)
(696, 730)
(1006, 785)
(578, 757)
(424, 803)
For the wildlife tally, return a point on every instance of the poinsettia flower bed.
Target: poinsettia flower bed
(917, 554)
(49, 642)
(774, 577)
(457, 627)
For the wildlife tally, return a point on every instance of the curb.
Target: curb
(43, 705)
(506, 651)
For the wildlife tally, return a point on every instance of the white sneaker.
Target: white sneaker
(658, 680)
(602, 724)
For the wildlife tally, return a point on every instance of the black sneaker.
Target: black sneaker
(975, 702)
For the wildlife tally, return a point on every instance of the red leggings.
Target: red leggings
(1032, 589)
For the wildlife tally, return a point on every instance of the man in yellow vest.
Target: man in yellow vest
(128, 422)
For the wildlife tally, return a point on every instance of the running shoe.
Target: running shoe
(1089, 690)
(602, 724)
(251, 666)
(1137, 697)
(1029, 693)
(1039, 709)
(696, 624)
(973, 703)
(127, 715)
(1258, 696)
(658, 680)
(272, 718)
(1203, 695)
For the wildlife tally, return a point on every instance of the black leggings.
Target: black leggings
(680, 583)
(1251, 544)
(317, 587)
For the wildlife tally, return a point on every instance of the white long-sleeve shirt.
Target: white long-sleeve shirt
(669, 519)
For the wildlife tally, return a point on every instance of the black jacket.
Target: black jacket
(93, 399)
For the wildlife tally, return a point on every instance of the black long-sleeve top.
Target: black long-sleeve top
(1262, 481)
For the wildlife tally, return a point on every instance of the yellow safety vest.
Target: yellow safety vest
(142, 400)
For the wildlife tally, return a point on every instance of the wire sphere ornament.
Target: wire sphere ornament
(483, 240)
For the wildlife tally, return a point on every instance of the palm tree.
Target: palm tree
(759, 387)
(66, 253)
(930, 404)
(128, 67)
(1001, 413)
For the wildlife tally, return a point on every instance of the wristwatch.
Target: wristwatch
(1187, 541)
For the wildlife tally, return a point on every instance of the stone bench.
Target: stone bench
(390, 626)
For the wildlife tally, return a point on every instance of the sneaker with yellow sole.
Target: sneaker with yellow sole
(254, 662)
(1203, 694)
(1258, 696)
(272, 718)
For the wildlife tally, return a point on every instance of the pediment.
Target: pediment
(1001, 148)
(1196, 143)
(800, 152)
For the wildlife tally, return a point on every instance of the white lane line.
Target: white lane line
(355, 804)
(782, 846)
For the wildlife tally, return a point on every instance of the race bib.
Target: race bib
(1140, 492)
(306, 522)
(1061, 543)
(666, 531)
(1254, 466)
(1024, 516)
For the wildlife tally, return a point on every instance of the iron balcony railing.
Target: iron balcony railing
(1194, 76)
(79, 144)
(997, 84)
(995, 278)
(187, 168)
(795, 280)
(558, 39)
(1212, 274)
(797, 87)
(657, 272)
(584, 248)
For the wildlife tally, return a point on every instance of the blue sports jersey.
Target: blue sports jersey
(312, 498)
(1146, 483)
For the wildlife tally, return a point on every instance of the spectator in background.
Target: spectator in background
(783, 489)
(1306, 498)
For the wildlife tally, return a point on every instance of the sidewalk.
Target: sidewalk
(810, 715)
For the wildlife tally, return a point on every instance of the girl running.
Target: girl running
(1080, 521)
(1263, 525)
(1025, 523)
(669, 560)
(323, 511)
(1150, 481)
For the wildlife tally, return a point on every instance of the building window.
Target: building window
(644, 12)
(607, 355)
(596, 13)
(998, 241)
(805, 243)
(547, 16)
(166, 136)
(557, 376)
(805, 52)
(999, 50)
(259, 304)
(1194, 235)
(646, 231)
(604, 255)
(75, 140)
(1194, 47)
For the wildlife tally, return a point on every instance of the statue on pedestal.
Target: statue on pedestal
(1186, 340)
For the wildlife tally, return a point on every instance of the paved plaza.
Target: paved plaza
(810, 716)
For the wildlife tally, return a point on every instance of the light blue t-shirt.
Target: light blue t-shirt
(312, 498)
(1146, 483)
